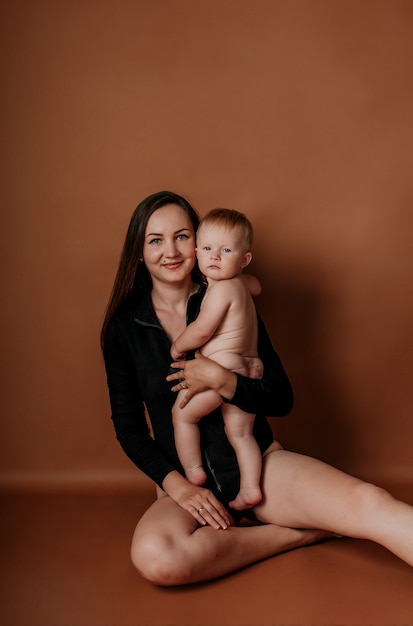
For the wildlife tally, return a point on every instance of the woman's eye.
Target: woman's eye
(155, 240)
(182, 236)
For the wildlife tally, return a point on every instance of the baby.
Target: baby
(226, 332)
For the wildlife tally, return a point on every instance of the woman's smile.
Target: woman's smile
(169, 245)
(172, 266)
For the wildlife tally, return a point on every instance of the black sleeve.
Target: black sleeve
(271, 395)
(128, 411)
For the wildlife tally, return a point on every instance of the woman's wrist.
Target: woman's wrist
(173, 484)
(218, 378)
(201, 374)
(227, 384)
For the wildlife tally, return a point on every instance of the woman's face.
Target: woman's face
(169, 246)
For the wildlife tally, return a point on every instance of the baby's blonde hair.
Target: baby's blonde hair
(231, 219)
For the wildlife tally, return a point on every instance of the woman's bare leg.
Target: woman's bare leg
(170, 548)
(302, 492)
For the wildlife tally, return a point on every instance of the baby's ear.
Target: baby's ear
(247, 259)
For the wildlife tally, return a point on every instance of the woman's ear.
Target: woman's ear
(246, 260)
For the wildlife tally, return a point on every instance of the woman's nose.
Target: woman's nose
(171, 248)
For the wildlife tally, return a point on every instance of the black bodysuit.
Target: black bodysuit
(137, 359)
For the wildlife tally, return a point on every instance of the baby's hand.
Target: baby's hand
(177, 356)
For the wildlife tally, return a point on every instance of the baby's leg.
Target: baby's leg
(239, 430)
(186, 430)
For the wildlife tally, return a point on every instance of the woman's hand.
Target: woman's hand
(204, 507)
(201, 374)
(198, 501)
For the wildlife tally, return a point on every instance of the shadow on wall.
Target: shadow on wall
(299, 322)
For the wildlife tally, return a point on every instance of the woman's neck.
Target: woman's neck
(172, 297)
(170, 304)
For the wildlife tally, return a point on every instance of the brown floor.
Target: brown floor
(65, 562)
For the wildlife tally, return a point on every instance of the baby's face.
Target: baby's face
(221, 252)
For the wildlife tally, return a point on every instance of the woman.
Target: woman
(188, 534)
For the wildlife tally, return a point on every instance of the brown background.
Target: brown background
(299, 113)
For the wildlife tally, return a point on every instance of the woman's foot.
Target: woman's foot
(308, 537)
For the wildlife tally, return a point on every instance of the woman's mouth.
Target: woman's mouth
(172, 266)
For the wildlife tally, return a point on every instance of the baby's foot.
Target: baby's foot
(246, 499)
(196, 475)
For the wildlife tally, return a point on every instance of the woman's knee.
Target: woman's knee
(373, 496)
(371, 502)
(156, 558)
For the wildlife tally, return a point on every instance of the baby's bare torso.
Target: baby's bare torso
(236, 337)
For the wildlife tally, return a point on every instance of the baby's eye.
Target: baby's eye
(226, 249)
(206, 248)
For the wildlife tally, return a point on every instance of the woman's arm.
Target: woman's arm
(199, 502)
(133, 434)
(201, 374)
(127, 407)
(272, 395)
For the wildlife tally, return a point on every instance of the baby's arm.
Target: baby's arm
(215, 305)
(252, 284)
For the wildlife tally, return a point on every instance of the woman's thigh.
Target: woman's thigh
(303, 492)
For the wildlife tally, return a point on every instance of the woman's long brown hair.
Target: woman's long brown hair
(132, 272)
